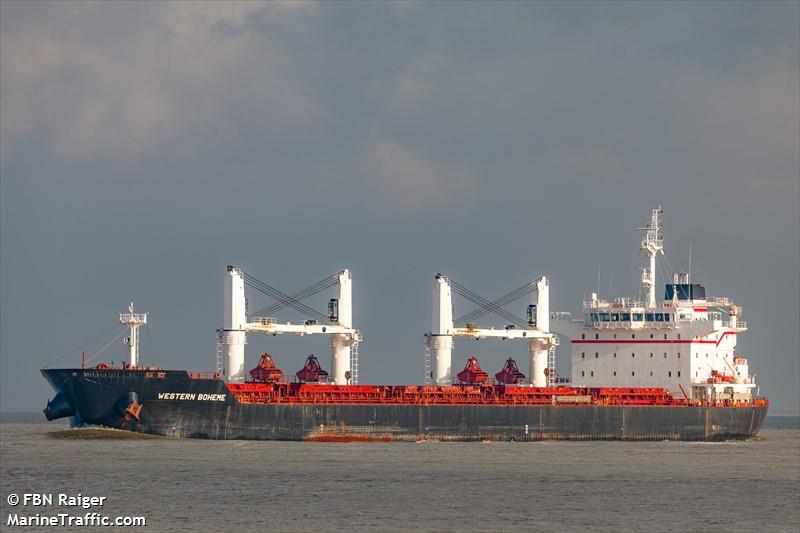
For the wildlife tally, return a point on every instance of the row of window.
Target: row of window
(633, 373)
(633, 355)
(633, 336)
(630, 317)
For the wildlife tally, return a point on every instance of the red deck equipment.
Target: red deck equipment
(472, 373)
(510, 375)
(266, 371)
(312, 372)
(719, 377)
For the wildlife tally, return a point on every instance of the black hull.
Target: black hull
(176, 406)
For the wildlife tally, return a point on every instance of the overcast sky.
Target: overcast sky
(145, 146)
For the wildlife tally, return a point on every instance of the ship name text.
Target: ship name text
(191, 396)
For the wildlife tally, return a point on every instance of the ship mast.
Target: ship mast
(134, 321)
(652, 244)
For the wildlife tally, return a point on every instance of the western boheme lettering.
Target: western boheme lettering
(190, 396)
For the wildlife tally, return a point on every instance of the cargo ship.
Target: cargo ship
(642, 369)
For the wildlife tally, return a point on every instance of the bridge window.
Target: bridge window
(626, 317)
(648, 317)
(603, 317)
(659, 317)
(637, 317)
(666, 317)
(614, 317)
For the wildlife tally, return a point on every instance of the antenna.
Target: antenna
(598, 278)
(652, 244)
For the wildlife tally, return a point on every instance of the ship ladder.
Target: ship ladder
(427, 364)
(219, 352)
(354, 358)
(551, 363)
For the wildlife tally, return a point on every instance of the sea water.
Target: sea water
(201, 485)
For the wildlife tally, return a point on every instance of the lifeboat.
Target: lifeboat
(719, 377)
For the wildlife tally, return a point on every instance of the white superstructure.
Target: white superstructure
(685, 343)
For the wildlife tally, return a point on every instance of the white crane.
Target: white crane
(338, 324)
(536, 330)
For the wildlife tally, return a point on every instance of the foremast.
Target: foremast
(134, 321)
